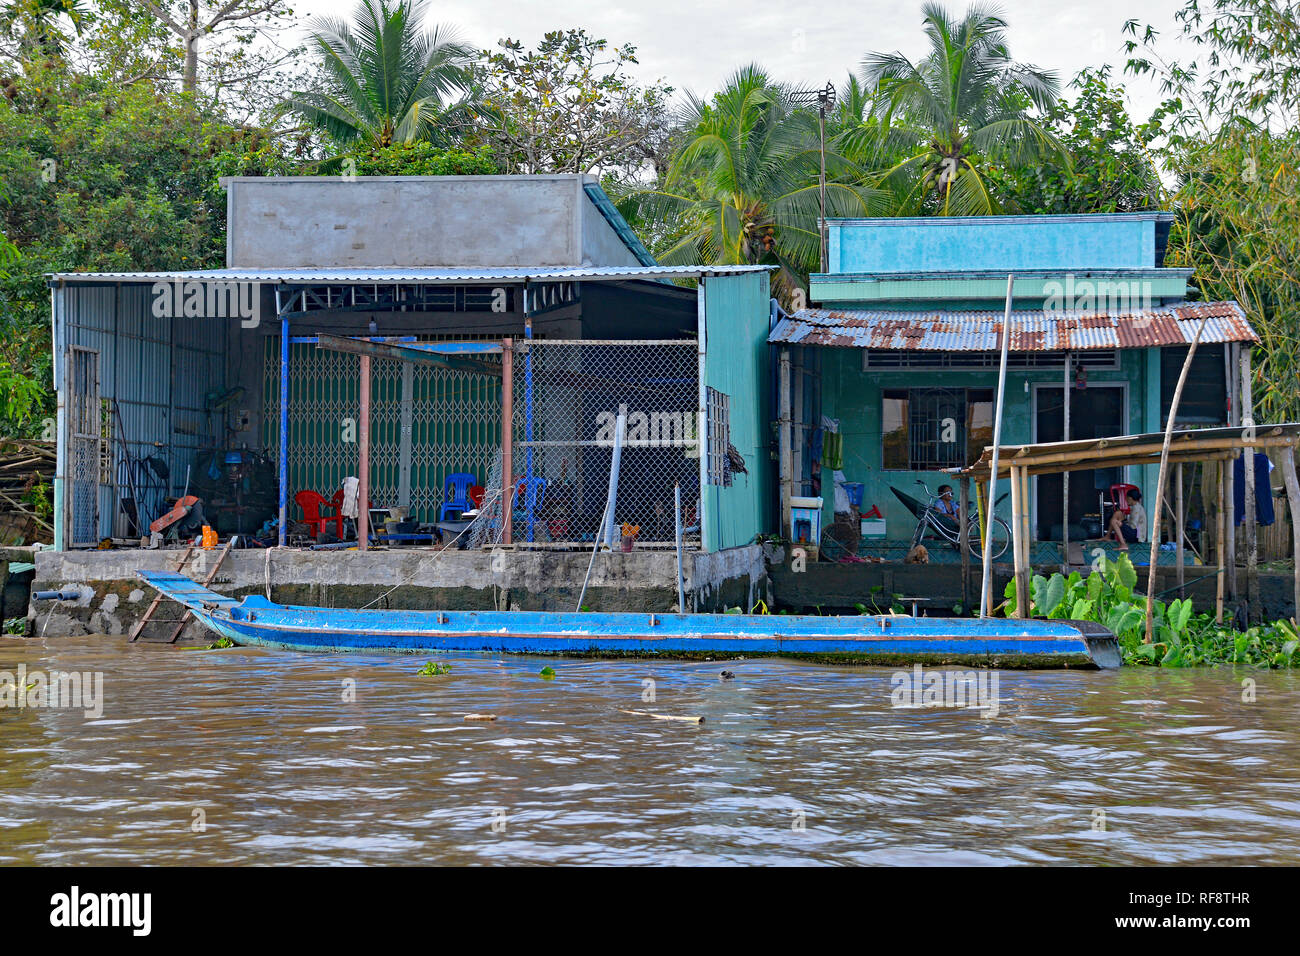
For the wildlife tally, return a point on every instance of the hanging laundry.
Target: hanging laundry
(1263, 489)
(833, 451)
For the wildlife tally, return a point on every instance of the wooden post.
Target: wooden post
(1179, 527)
(1065, 475)
(1230, 471)
(363, 467)
(1161, 477)
(507, 437)
(1251, 524)
(1293, 500)
(1221, 544)
(963, 516)
(786, 453)
(1017, 543)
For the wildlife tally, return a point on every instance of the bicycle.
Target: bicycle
(945, 526)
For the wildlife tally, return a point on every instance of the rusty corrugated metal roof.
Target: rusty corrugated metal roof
(1036, 331)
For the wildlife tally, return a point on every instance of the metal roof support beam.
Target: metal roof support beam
(407, 353)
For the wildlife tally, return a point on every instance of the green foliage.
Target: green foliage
(434, 669)
(1181, 637)
(962, 108)
(571, 106)
(388, 77)
(416, 159)
(1111, 167)
(15, 625)
(547, 673)
(743, 189)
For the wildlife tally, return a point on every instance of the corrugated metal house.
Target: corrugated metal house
(901, 351)
(194, 374)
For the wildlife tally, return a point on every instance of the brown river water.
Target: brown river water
(253, 757)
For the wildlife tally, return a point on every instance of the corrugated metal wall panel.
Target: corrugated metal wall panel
(159, 369)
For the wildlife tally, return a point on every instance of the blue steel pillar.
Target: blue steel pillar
(284, 428)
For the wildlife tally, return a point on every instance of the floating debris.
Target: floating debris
(480, 716)
(646, 713)
(433, 669)
(726, 675)
(548, 673)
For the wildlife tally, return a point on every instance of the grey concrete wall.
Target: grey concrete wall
(295, 222)
(113, 597)
(600, 243)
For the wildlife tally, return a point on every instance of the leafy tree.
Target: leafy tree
(1226, 134)
(570, 107)
(965, 105)
(419, 159)
(387, 77)
(744, 188)
(40, 24)
(1111, 168)
(232, 23)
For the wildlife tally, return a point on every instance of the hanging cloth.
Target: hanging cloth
(1263, 489)
(351, 492)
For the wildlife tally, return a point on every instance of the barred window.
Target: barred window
(719, 412)
(924, 429)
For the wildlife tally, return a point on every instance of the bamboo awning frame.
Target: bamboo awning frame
(1217, 445)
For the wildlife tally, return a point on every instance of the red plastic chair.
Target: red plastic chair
(476, 494)
(1119, 497)
(311, 503)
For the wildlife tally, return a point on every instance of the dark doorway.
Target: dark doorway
(1095, 412)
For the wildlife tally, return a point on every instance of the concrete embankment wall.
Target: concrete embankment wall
(113, 597)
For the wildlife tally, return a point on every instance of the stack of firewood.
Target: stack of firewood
(26, 492)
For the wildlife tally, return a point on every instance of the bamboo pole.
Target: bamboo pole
(1163, 474)
(986, 585)
(786, 452)
(1222, 546)
(1293, 500)
(1017, 543)
(963, 520)
(1250, 518)
(1065, 475)
(1179, 526)
(1230, 472)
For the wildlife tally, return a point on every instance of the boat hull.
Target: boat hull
(864, 639)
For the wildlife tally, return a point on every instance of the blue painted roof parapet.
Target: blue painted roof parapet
(950, 244)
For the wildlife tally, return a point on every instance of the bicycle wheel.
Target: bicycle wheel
(1001, 538)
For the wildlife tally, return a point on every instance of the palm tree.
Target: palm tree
(744, 187)
(387, 76)
(965, 104)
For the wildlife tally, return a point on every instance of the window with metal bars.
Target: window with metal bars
(925, 429)
(719, 412)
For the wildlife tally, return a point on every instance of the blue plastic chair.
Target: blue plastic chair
(455, 494)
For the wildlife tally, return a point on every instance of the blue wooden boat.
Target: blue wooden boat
(861, 639)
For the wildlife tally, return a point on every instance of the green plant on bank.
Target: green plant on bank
(15, 625)
(433, 669)
(1182, 638)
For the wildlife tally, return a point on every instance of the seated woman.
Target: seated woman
(945, 505)
(1131, 527)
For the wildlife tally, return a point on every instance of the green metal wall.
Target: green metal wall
(736, 363)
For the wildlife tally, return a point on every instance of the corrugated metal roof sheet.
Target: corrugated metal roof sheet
(1035, 331)
(345, 276)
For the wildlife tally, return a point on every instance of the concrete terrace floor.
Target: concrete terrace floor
(1043, 552)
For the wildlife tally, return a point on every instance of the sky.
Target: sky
(696, 44)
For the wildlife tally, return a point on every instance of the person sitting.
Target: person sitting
(945, 505)
(1130, 527)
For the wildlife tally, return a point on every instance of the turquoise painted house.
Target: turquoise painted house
(899, 354)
